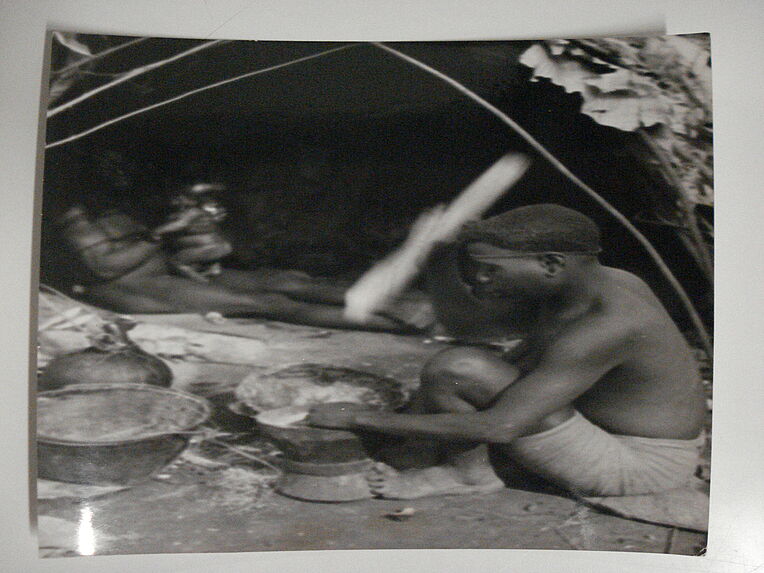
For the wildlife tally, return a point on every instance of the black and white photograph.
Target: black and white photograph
(375, 295)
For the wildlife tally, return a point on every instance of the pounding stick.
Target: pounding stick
(387, 279)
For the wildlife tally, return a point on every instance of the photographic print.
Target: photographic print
(375, 295)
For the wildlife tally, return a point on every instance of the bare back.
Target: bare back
(654, 389)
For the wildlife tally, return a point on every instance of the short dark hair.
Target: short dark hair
(536, 228)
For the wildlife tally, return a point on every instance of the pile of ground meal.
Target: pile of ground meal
(114, 414)
(311, 384)
(239, 488)
(291, 416)
(232, 477)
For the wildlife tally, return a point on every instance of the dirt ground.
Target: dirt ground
(218, 499)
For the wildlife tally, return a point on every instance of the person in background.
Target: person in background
(195, 240)
(128, 271)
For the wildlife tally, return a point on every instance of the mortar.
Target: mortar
(319, 464)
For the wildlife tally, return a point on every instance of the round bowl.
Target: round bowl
(310, 384)
(104, 434)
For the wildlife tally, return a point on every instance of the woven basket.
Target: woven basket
(103, 434)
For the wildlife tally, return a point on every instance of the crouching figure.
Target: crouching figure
(602, 398)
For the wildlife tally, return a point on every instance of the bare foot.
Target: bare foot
(411, 454)
(384, 481)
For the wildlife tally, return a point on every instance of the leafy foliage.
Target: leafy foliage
(659, 85)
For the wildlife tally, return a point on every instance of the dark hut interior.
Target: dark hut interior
(327, 162)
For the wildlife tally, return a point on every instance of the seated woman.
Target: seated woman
(603, 399)
(129, 272)
(196, 242)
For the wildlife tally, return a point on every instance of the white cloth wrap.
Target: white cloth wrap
(586, 460)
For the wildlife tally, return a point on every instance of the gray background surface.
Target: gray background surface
(737, 502)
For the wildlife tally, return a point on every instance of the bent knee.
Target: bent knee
(468, 364)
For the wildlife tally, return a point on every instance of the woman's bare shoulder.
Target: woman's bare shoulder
(627, 288)
(632, 303)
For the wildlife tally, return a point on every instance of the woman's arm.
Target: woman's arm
(113, 258)
(570, 367)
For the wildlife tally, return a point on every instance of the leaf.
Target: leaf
(619, 80)
(646, 82)
(569, 74)
(557, 47)
(614, 111)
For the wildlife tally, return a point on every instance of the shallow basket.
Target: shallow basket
(388, 391)
(102, 434)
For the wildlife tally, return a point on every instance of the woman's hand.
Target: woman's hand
(336, 415)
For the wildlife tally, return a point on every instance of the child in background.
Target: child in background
(195, 239)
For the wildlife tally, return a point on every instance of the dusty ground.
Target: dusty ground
(193, 506)
(168, 517)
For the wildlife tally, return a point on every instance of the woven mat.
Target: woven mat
(686, 508)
